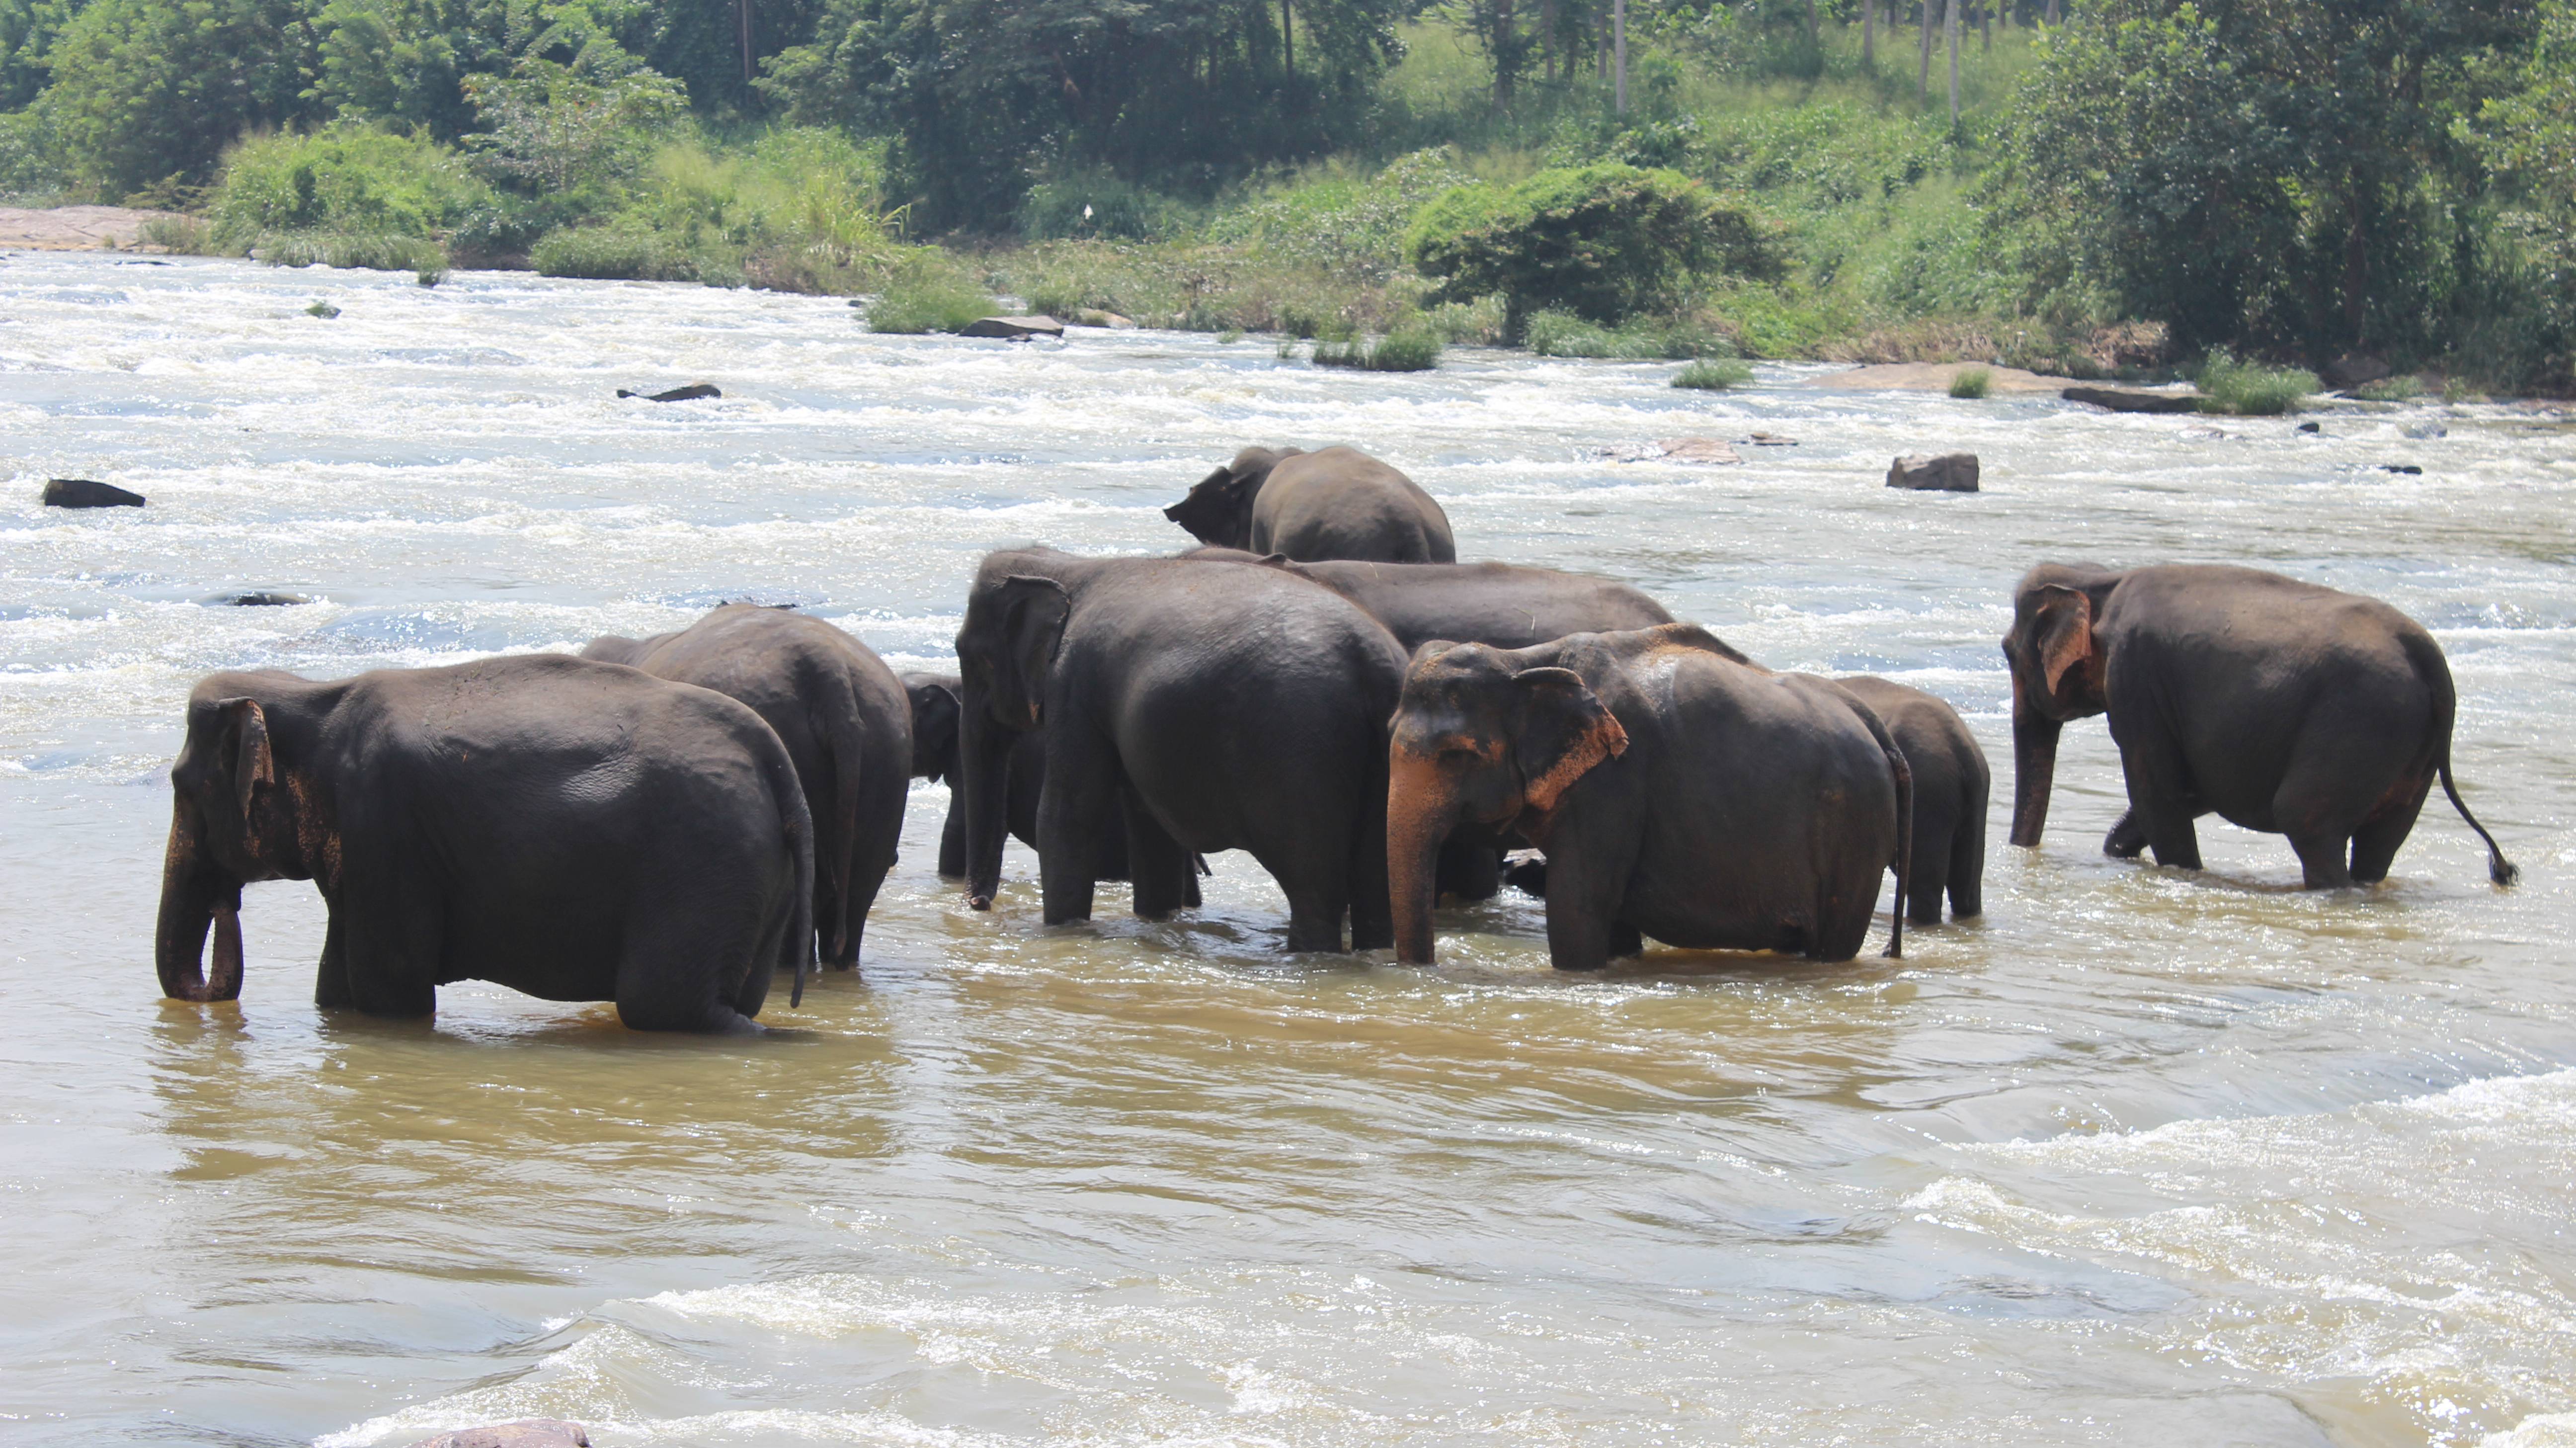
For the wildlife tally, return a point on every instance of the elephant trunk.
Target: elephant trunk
(1421, 808)
(984, 748)
(2034, 766)
(195, 895)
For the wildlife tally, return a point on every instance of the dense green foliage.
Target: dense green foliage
(1713, 374)
(2249, 389)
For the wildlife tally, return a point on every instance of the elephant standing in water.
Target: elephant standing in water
(1224, 706)
(1678, 791)
(569, 829)
(1952, 786)
(2278, 705)
(844, 719)
(1337, 503)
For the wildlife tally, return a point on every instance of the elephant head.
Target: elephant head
(1219, 510)
(935, 710)
(2058, 665)
(1005, 651)
(238, 814)
(1477, 737)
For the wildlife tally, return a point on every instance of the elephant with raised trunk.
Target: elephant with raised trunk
(1337, 503)
(1680, 792)
(569, 829)
(1224, 706)
(844, 719)
(2278, 705)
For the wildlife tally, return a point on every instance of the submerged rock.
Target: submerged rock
(690, 393)
(88, 493)
(1948, 473)
(1702, 450)
(262, 600)
(1013, 329)
(525, 1433)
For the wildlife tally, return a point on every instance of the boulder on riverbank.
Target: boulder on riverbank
(2133, 399)
(1948, 473)
(1013, 329)
(88, 493)
(525, 1433)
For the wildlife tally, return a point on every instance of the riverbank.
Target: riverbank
(75, 228)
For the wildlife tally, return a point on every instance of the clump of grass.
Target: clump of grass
(324, 310)
(1562, 334)
(2250, 389)
(1713, 374)
(603, 253)
(1411, 347)
(365, 251)
(1971, 383)
(1230, 336)
(179, 235)
(428, 275)
(925, 298)
(2404, 387)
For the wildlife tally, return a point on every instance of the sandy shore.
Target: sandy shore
(72, 228)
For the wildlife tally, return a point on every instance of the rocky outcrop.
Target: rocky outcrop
(525, 1433)
(88, 493)
(1948, 473)
(1013, 329)
(2133, 399)
(690, 393)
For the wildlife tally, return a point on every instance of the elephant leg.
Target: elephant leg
(1165, 879)
(1111, 859)
(2375, 844)
(2313, 806)
(1075, 809)
(1626, 941)
(2128, 838)
(952, 840)
(1372, 909)
(669, 976)
(1967, 868)
(393, 939)
(1930, 876)
(331, 982)
(2160, 799)
(1587, 884)
(1315, 916)
(1470, 871)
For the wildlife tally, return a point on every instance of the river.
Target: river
(2138, 1157)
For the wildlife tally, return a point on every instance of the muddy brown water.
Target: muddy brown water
(2138, 1157)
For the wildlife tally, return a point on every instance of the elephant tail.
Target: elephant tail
(798, 823)
(1902, 774)
(2436, 670)
(836, 839)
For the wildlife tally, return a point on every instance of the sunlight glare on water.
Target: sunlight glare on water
(2139, 1157)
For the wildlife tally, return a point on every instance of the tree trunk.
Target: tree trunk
(1950, 27)
(1502, 53)
(2052, 12)
(1869, 34)
(1986, 26)
(742, 26)
(1811, 24)
(1619, 54)
(1923, 81)
(1287, 44)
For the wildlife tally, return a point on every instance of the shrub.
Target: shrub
(1605, 242)
(365, 251)
(1411, 347)
(2404, 387)
(925, 298)
(1562, 334)
(1713, 375)
(604, 253)
(1347, 225)
(31, 156)
(2249, 389)
(1971, 383)
(180, 235)
(1099, 204)
(349, 181)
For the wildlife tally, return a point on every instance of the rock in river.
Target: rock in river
(1013, 329)
(690, 393)
(2133, 399)
(88, 493)
(1948, 473)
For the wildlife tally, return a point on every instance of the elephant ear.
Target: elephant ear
(1034, 611)
(1564, 730)
(253, 763)
(2062, 631)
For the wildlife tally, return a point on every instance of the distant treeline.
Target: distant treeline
(2292, 178)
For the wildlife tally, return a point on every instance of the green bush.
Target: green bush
(2249, 389)
(1713, 375)
(922, 297)
(1100, 204)
(1335, 220)
(1970, 383)
(1606, 242)
(606, 253)
(1562, 334)
(1411, 347)
(31, 156)
(346, 181)
(365, 251)
(2404, 387)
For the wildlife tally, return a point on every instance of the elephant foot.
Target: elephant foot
(2127, 839)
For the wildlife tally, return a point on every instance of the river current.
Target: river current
(2139, 1157)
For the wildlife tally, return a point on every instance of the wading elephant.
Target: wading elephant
(845, 722)
(936, 709)
(2278, 705)
(1951, 789)
(1226, 706)
(1498, 604)
(1679, 792)
(569, 829)
(1337, 503)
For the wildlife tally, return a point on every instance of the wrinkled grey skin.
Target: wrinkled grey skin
(2277, 705)
(1226, 706)
(1679, 791)
(575, 830)
(844, 719)
(1952, 785)
(1337, 503)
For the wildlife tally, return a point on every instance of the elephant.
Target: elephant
(2278, 705)
(1679, 790)
(1225, 706)
(1951, 787)
(1500, 604)
(1337, 503)
(844, 719)
(935, 713)
(569, 829)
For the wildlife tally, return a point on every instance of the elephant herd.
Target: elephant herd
(667, 822)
